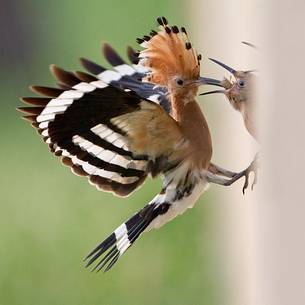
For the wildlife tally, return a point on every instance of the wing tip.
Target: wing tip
(91, 66)
(132, 55)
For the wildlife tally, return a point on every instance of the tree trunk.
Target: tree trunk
(264, 231)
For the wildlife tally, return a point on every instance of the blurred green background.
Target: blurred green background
(50, 219)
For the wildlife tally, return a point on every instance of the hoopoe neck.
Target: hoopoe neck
(195, 129)
(249, 117)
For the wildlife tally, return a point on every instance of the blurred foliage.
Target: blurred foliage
(50, 219)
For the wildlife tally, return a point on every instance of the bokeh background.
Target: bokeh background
(50, 219)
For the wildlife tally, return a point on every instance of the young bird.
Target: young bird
(116, 130)
(240, 92)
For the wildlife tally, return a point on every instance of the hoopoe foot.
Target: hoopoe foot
(253, 167)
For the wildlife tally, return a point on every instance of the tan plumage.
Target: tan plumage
(174, 64)
(151, 131)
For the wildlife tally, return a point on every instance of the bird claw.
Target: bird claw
(253, 167)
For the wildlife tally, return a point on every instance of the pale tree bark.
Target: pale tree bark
(218, 29)
(263, 257)
(281, 208)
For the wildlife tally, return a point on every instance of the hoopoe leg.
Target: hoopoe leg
(215, 172)
(215, 169)
(217, 179)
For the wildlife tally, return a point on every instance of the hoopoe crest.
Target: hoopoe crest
(170, 57)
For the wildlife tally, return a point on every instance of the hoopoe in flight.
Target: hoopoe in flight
(116, 129)
(240, 92)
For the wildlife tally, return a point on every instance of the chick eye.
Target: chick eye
(179, 82)
(241, 83)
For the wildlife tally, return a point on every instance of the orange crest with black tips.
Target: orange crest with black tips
(169, 54)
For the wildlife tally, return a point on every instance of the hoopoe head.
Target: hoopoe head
(239, 89)
(171, 59)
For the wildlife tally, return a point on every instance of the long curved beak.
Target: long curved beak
(212, 92)
(231, 70)
(209, 81)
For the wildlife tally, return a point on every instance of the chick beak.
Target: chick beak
(231, 70)
(249, 44)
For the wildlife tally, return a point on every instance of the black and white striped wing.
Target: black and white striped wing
(91, 125)
(128, 76)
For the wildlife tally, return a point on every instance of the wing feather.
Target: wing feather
(127, 76)
(113, 137)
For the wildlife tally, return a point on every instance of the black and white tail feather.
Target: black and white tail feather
(181, 189)
(125, 235)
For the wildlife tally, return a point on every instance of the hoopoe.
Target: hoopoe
(116, 129)
(240, 92)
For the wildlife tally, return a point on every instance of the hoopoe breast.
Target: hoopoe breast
(195, 130)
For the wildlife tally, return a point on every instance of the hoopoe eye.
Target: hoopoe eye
(179, 82)
(241, 83)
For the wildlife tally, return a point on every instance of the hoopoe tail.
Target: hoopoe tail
(181, 190)
(116, 244)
